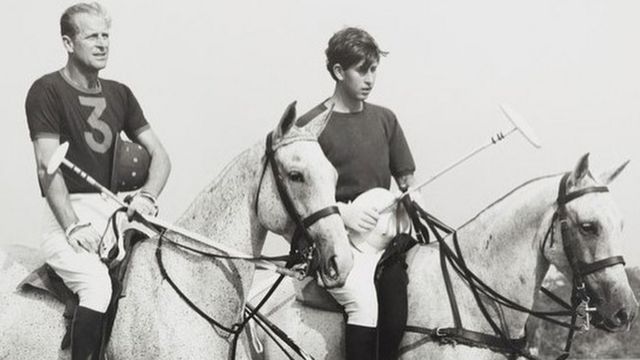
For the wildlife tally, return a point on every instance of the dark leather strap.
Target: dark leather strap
(472, 338)
(586, 269)
(322, 213)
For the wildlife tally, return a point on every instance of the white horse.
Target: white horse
(235, 210)
(504, 245)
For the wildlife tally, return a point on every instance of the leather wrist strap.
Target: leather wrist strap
(74, 227)
(148, 195)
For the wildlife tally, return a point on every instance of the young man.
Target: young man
(74, 105)
(366, 145)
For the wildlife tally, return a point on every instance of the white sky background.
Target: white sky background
(214, 77)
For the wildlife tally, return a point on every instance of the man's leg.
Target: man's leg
(391, 286)
(360, 342)
(86, 334)
(392, 305)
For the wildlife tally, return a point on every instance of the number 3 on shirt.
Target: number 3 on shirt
(98, 104)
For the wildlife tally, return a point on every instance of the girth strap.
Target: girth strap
(470, 337)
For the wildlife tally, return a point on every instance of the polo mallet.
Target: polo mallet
(58, 158)
(519, 124)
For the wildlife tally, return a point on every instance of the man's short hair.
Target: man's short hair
(68, 26)
(349, 46)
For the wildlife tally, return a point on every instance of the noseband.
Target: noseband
(580, 269)
(302, 245)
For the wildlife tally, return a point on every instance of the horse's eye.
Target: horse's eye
(296, 176)
(589, 228)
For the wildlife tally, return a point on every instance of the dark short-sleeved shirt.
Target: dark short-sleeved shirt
(366, 148)
(88, 120)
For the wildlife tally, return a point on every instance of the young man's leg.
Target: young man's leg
(360, 342)
(391, 286)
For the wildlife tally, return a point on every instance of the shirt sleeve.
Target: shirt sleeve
(400, 158)
(135, 122)
(41, 110)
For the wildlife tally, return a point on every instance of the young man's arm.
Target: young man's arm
(80, 236)
(159, 170)
(405, 181)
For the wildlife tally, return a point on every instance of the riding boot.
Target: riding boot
(86, 334)
(391, 287)
(361, 342)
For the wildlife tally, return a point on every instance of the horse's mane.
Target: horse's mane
(505, 196)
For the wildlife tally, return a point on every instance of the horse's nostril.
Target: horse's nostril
(332, 270)
(622, 316)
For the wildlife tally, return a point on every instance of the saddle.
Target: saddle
(309, 293)
(45, 279)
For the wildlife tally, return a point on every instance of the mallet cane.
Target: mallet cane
(58, 158)
(519, 125)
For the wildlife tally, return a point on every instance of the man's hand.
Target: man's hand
(142, 203)
(83, 238)
(359, 217)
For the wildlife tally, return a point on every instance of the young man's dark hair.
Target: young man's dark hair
(349, 46)
(366, 145)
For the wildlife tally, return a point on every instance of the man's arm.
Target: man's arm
(53, 185)
(81, 237)
(405, 181)
(159, 170)
(160, 166)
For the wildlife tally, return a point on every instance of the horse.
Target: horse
(505, 246)
(236, 210)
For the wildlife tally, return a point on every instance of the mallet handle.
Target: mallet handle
(494, 140)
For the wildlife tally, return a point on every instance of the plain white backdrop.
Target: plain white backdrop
(214, 76)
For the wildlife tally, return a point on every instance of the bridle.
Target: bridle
(579, 268)
(501, 342)
(303, 247)
(580, 298)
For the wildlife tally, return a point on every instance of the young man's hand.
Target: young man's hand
(83, 238)
(359, 217)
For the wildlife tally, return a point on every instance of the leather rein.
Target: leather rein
(302, 250)
(501, 342)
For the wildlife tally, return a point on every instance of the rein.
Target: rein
(297, 254)
(302, 245)
(501, 342)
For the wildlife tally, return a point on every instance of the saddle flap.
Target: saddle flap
(45, 279)
(310, 294)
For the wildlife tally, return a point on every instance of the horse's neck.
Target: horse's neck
(502, 244)
(224, 210)
(506, 237)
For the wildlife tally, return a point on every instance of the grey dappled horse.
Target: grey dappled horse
(504, 245)
(153, 322)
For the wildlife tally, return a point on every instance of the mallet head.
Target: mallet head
(57, 158)
(521, 125)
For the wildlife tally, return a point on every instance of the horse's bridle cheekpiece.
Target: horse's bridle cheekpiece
(303, 247)
(579, 268)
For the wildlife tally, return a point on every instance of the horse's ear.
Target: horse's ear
(582, 169)
(316, 125)
(286, 122)
(608, 176)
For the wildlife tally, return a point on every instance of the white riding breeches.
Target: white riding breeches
(83, 272)
(358, 296)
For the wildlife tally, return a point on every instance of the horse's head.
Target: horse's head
(306, 195)
(589, 246)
